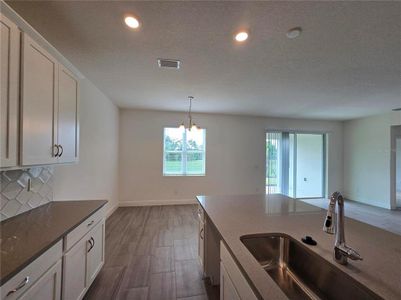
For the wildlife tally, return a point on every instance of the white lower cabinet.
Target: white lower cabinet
(201, 237)
(233, 285)
(83, 261)
(227, 288)
(47, 287)
(74, 272)
(95, 254)
(62, 274)
(40, 280)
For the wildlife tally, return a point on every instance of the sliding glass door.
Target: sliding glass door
(295, 164)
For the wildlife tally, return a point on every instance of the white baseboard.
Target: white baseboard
(111, 211)
(157, 202)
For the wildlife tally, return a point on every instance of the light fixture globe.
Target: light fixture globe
(193, 127)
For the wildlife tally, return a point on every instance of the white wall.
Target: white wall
(95, 176)
(367, 151)
(235, 155)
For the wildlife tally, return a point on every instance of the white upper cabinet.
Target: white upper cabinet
(39, 123)
(68, 124)
(9, 85)
(49, 115)
(39, 105)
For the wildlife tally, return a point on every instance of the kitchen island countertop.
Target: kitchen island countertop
(235, 216)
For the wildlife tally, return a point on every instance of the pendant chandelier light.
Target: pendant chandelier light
(191, 124)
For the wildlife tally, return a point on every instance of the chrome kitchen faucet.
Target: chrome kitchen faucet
(341, 250)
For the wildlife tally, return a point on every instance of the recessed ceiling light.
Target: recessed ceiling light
(131, 22)
(241, 36)
(294, 32)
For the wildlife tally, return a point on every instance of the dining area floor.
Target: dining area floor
(151, 253)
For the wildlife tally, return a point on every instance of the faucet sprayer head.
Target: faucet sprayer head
(329, 221)
(328, 225)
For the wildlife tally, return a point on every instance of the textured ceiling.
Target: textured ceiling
(346, 64)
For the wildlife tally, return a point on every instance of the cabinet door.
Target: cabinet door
(48, 287)
(235, 286)
(201, 242)
(227, 288)
(9, 84)
(68, 124)
(95, 254)
(74, 271)
(39, 104)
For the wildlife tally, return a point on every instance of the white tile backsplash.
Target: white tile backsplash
(14, 195)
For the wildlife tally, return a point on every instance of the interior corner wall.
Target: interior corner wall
(235, 155)
(367, 154)
(95, 176)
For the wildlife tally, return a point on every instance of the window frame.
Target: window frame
(184, 153)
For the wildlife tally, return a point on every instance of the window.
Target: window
(184, 152)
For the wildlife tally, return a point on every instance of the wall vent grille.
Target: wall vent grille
(168, 63)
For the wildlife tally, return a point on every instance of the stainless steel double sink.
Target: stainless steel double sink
(301, 273)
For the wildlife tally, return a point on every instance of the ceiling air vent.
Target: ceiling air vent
(397, 109)
(168, 63)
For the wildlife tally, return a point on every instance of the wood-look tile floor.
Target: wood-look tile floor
(151, 253)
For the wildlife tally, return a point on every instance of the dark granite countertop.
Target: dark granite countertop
(26, 236)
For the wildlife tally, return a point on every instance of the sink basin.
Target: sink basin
(301, 273)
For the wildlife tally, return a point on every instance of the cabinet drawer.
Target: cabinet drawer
(78, 233)
(28, 276)
(48, 287)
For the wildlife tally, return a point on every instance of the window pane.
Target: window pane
(173, 163)
(195, 163)
(196, 139)
(172, 139)
(273, 161)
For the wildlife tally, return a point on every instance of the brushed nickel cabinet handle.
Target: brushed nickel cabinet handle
(55, 147)
(20, 286)
(90, 223)
(90, 243)
(62, 150)
(200, 234)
